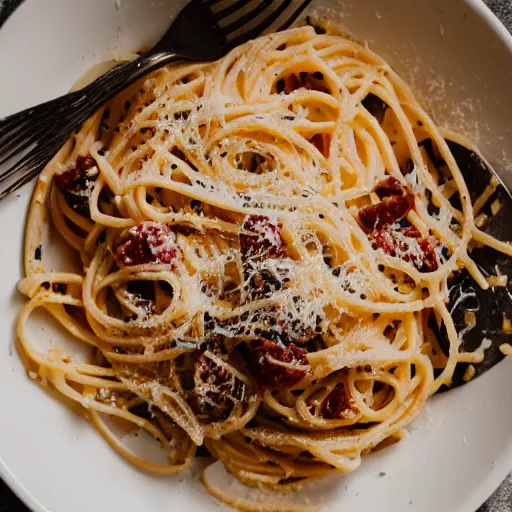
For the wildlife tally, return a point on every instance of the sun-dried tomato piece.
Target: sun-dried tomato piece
(277, 365)
(149, 242)
(76, 184)
(336, 404)
(390, 186)
(264, 242)
(216, 389)
(390, 210)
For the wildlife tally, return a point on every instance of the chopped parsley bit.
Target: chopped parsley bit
(382, 473)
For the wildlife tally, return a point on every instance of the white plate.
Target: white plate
(459, 58)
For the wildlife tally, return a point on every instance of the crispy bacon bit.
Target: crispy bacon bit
(429, 256)
(336, 404)
(419, 252)
(216, 390)
(396, 201)
(265, 242)
(388, 211)
(404, 241)
(384, 239)
(149, 242)
(76, 184)
(277, 366)
(390, 186)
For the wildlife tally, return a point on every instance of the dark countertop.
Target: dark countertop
(500, 501)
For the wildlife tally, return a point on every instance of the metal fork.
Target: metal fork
(203, 30)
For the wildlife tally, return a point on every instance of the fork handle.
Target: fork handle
(31, 137)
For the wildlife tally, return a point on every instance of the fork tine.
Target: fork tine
(260, 27)
(230, 9)
(246, 18)
(294, 16)
(20, 142)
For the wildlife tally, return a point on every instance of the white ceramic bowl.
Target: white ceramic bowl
(459, 60)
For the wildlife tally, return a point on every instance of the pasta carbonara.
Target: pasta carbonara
(264, 240)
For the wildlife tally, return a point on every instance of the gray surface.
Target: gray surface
(501, 500)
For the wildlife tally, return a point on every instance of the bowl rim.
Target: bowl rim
(492, 480)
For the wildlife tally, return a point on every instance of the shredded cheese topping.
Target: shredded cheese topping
(225, 253)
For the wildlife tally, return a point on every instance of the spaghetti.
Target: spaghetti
(263, 241)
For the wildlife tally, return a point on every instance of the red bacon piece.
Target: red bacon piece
(76, 184)
(149, 242)
(429, 258)
(390, 186)
(396, 201)
(392, 243)
(384, 239)
(264, 241)
(335, 405)
(390, 210)
(266, 357)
